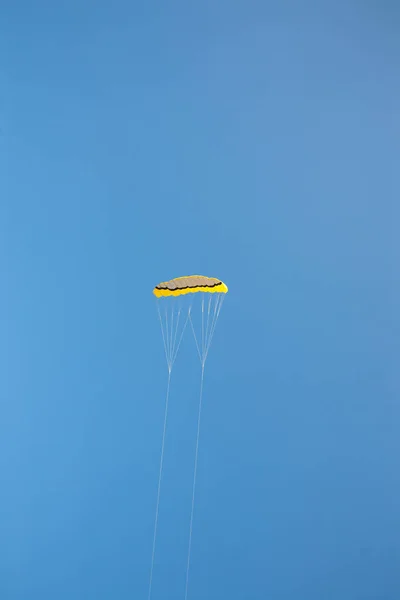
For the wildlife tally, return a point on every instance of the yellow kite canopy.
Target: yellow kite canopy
(189, 285)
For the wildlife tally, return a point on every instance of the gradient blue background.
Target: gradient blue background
(254, 141)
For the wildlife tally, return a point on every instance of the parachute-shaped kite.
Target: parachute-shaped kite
(175, 300)
(189, 285)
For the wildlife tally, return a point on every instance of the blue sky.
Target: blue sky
(257, 142)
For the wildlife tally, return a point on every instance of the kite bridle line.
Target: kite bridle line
(207, 335)
(171, 348)
(172, 342)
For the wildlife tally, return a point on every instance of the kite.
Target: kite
(179, 302)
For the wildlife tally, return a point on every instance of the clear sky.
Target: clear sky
(254, 141)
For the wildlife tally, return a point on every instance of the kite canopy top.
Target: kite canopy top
(190, 285)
